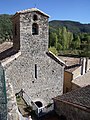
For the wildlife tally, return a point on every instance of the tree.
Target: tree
(76, 42)
(64, 38)
(5, 27)
(53, 40)
(70, 38)
(85, 46)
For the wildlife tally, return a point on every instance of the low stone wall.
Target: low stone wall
(71, 112)
(12, 108)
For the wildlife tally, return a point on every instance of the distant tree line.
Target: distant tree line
(62, 41)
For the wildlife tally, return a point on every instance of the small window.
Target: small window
(34, 29)
(35, 17)
(36, 71)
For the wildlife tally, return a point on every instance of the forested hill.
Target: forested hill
(72, 26)
(5, 27)
(69, 38)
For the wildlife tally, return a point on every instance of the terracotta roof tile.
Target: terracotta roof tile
(79, 97)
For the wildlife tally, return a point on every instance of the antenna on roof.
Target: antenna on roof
(35, 5)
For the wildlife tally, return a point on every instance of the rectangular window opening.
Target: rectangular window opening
(36, 71)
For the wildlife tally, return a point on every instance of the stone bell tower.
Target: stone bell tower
(30, 31)
(36, 70)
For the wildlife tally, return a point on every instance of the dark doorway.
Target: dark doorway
(39, 104)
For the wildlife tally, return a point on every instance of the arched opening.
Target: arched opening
(35, 17)
(39, 104)
(35, 29)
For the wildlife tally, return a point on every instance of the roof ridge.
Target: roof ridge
(31, 10)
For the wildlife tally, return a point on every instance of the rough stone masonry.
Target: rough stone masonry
(34, 71)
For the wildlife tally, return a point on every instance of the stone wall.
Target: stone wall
(67, 81)
(12, 108)
(49, 81)
(75, 86)
(39, 75)
(8, 105)
(34, 44)
(71, 112)
(76, 73)
(3, 97)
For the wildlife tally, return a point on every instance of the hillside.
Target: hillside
(69, 38)
(5, 27)
(72, 26)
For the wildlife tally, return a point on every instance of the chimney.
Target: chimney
(83, 66)
(87, 65)
(80, 61)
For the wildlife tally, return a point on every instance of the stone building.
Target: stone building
(74, 105)
(31, 66)
(81, 81)
(76, 73)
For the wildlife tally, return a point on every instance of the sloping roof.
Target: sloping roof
(72, 63)
(32, 10)
(6, 45)
(7, 54)
(83, 80)
(49, 53)
(6, 50)
(69, 61)
(79, 97)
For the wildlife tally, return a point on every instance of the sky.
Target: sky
(74, 10)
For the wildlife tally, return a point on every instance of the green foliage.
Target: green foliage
(53, 50)
(67, 42)
(60, 39)
(5, 28)
(59, 47)
(76, 42)
(53, 39)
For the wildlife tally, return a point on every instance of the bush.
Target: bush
(53, 50)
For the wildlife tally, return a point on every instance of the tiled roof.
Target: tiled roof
(83, 80)
(32, 10)
(79, 97)
(6, 50)
(7, 54)
(6, 45)
(72, 63)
